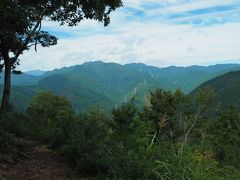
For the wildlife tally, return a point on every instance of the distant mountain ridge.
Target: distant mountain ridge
(187, 78)
(35, 72)
(108, 84)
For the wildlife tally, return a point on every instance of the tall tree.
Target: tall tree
(21, 27)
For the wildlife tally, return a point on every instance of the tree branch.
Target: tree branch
(38, 25)
(192, 126)
(39, 29)
(25, 44)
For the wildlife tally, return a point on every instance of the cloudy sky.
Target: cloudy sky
(155, 32)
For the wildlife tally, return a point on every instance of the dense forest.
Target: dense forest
(173, 136)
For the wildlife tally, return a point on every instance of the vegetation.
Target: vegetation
(174, 136)
(226, 86)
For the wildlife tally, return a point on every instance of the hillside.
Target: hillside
(95, 83)
(226, 87)
(186, 78)
(23, 79)
(109, 84)
(35, 72)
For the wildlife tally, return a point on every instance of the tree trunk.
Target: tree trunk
(7, 88)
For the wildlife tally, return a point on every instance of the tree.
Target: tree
(160, 112)
(129, 141)
(21, 27)
(123, 116)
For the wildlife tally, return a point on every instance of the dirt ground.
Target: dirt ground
(42, 164)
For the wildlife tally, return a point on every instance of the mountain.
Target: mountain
(226, 87)
(21, 96)
(102, 83)
(95, 83)
(22, 79)
(26, 78)
(109, 84)
(35, 72)
(186, 78)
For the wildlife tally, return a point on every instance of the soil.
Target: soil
(38, 164)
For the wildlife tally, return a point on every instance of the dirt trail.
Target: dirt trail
(43, 164)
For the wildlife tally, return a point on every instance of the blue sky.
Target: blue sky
(155, 32)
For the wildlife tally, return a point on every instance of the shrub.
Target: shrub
(225, 132)
(51, 118)
(86, 146)
(129, 141)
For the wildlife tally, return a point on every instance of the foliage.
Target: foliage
(86, 145)
(225, 133)
(185, 155)
(226, 88)
(128, 143)
(15, 123)
(194, 142)
(51, 118)
(162, 111)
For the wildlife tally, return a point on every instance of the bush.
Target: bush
(129, 141)
(225, 132)
(16, 123)
(107, 147)
(51, 118)
(161, 112)
(86, 146)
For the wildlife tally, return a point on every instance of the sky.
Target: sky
(155, 32)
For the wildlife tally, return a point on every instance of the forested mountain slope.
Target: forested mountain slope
(226, 87)
(110, 84)
(186, 78)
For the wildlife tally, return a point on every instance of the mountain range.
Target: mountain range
(110, 84)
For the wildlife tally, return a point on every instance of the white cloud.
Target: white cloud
(149, 41)
(194, 5)
(155, 44)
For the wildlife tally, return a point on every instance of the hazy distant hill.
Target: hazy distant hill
(186, 78)
(227, 88)
(35, 72)
(23, 79)
(108, 84)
